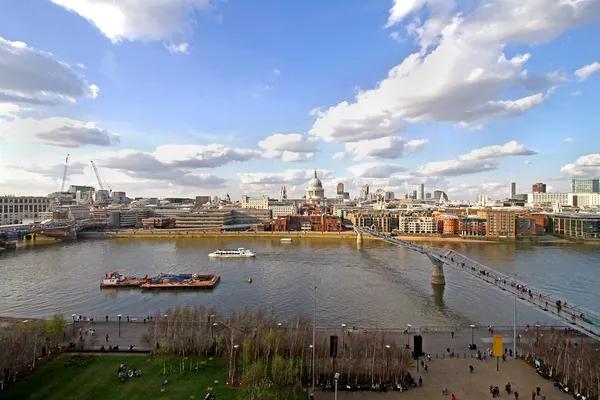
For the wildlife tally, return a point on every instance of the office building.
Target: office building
(581, 226)
(547, 199)
(421, 192)
(418, 225)
(428, 195)
(414, 194)
(13, 209)
(538, 188)
(512, 190)
(340, 189)
(585, 186)
(257, 202)
(584, 199)
(202, 200)
(500, 223)
(440, 196)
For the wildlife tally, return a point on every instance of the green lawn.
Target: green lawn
(98, 380)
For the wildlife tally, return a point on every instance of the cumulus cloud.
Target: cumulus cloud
(375, 170)
(56, 131)
(295, 181)
(173, 162)
(587, 166)
(33, 76)
(54, 171)
(137, 20)
(493, 190)
(290, 147)
(340, 155)
(477, 160)
(461, 72)
(9, 110)
(586, 71)
(568, 140)
(384, 148)
(178, 48)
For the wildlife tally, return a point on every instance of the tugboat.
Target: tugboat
(233, 253)
(114, 279)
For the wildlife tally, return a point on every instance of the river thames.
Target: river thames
(376, 285)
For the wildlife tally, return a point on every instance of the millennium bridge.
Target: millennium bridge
(585, 320)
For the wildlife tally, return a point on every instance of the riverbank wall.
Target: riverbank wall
(176, 233)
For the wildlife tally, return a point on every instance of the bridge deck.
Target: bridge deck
(584, 319)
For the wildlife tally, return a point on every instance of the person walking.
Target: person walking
(420, 381)
(106, 338)
(452, 334)
(533, 395)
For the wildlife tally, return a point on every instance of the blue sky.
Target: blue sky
(194, 97)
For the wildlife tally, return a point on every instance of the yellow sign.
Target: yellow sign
(498, 346)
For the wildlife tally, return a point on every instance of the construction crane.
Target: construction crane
(62, 184)
(100, 179)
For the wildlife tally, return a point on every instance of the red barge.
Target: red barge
(163, 281)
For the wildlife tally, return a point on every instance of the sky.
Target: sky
(182, 98)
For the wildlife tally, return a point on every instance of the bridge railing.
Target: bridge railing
(572, 313)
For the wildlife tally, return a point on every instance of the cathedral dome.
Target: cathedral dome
(314, 183)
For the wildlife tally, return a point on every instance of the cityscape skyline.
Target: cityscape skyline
(163, 108)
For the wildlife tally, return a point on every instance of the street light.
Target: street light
(279, 324)
(343, 342)
(314, 340)
(119, 316)
(73, 315)
(473, 347)
(408, 326)
(336, 378)
(515, 319)
(235, 347)
(387, 354)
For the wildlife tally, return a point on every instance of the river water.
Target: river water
(376, 285)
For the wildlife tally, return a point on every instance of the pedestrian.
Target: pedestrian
(538, 390)
(106, 338)
(128, 318)
(533, 395)
(471, 369)
(144, 320)
(106, 318)
(426, 367)
(420, 381)
(452, 334)
(516, 395)
(543, 397)
(453, 397)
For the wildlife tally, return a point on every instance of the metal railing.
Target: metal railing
(583, 318)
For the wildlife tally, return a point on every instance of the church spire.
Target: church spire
(315, 172)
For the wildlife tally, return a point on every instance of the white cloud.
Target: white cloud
(527, 162)
(137, 20)
(477, 160)
(576, 93)
(276, 72)
(416, 145)
(33, 76)
(584, 72)
(568, 140)
(587, 166)
(383, 148)
(340, 155)
(56, 131)
(295, 181)
(290, 147)
(461, 73)
(178, 48)
(375, 170)
(9, 110)
(401, 9)
(395, 36)
(80, 65)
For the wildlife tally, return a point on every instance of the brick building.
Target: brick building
(448, 224)
(312, 223)
(472, 226)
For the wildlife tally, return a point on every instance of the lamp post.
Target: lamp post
(235, 347)
(73, 315)
(167, 332)
(472, 337)
(119, 317)
(537, 337)
(387, 356)
(314, 340)
(408, 326)
(515, 320)
(279, 324)
(343, 345)
(336, 378)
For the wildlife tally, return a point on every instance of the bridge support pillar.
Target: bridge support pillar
(437, 275)
(359, 237)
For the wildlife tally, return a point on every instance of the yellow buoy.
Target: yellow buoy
(249, 280)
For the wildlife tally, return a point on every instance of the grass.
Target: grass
(97, 379)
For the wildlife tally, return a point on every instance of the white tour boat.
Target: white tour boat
(231, 253)
(286, 240)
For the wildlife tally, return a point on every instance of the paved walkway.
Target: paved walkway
(131, 333)
(454, 375)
